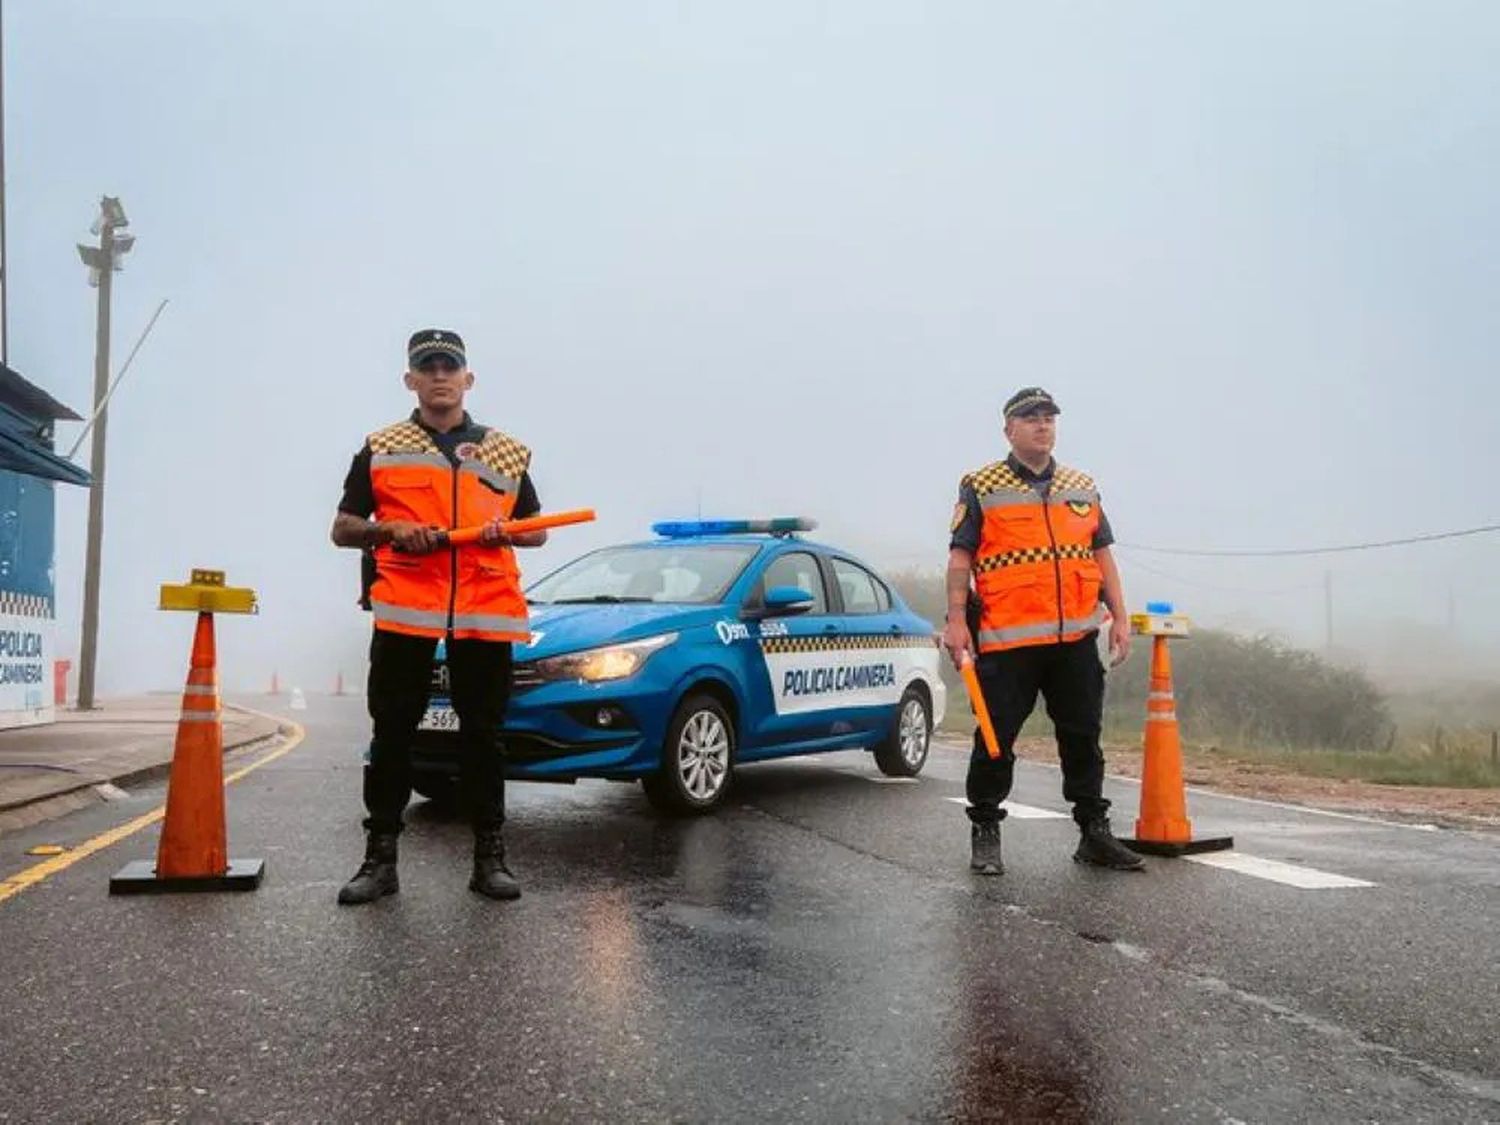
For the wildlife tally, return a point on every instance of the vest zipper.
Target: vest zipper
(453, 554)
(1056, 562)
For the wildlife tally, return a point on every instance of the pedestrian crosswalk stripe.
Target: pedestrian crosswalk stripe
(1291, 874)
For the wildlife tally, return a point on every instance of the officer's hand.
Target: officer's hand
(1119, 642)
(956, 639)
(493, 535)
(413, 538)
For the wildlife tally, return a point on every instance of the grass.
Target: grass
(1452, 771)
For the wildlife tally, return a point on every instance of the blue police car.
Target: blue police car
(719, 643)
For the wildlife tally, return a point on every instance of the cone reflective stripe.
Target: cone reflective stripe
(192, 853)
(192, 836)
(1163, 827)
(1163, 816)
(981, 709)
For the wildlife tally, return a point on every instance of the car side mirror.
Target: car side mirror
(787, 601)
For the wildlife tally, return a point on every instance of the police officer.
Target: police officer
(437, 470)
(1028, 566)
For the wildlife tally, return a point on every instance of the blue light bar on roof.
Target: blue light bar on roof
(692, 529)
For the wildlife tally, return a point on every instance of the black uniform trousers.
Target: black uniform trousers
(400, 681)
(1071, 680)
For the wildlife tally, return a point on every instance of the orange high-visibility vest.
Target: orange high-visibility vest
(472, 592)
(1034, 571)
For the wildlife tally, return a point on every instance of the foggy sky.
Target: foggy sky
(774, 258)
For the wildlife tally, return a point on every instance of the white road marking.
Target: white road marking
(1020, 812)
(1306, 878)
(1311, 810)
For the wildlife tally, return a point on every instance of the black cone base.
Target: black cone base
(140, 878)
(1191, 847)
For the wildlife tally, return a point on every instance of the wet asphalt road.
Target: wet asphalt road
(816, 951)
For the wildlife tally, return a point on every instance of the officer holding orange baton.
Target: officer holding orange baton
(435, 470)
(1029, 565)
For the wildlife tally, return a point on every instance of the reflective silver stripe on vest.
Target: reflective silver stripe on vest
(491, 623)
(400, 460)
(416, 618)
(1006, 499)
(490, 477)
(1044, 629)
(1074, 495)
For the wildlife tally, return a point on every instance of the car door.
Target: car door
(786, 698)
(872, 640)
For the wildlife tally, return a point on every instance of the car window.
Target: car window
(796, 568)
(682, 574)
(863, 592)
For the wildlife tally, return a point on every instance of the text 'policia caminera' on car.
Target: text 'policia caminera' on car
(677, 660)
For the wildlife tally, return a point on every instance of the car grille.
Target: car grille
(523, 677)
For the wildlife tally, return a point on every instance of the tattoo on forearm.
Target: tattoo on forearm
(958, 586)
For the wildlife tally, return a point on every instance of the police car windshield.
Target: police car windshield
(682, 573)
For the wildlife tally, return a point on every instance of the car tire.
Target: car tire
(697, 759)
(904, 751)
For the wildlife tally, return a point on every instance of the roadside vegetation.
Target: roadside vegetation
(1258, 700)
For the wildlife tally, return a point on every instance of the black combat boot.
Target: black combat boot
(984, 843)
(491, 877)
(1098, 846)
(376, 877)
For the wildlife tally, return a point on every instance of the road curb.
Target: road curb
(29, 811)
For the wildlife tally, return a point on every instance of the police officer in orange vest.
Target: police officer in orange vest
(1028, 566)
(412, 481)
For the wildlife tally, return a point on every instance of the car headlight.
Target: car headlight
(612, 662)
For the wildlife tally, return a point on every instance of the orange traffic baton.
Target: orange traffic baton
(1163, 827)
(981, 709)
(192, 854)
(464, 536)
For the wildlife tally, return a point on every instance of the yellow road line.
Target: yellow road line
(34, 874)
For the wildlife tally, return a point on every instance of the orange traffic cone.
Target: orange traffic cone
(1163, 827)
(192, 854)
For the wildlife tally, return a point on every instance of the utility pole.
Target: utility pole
(103, 261)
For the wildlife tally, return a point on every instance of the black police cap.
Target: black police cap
(430, 342)
(1030, 400)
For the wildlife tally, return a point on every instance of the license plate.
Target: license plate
(439, 718)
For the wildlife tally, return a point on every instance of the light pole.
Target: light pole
(103, 261)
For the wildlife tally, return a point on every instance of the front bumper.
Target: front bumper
(553, 731)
